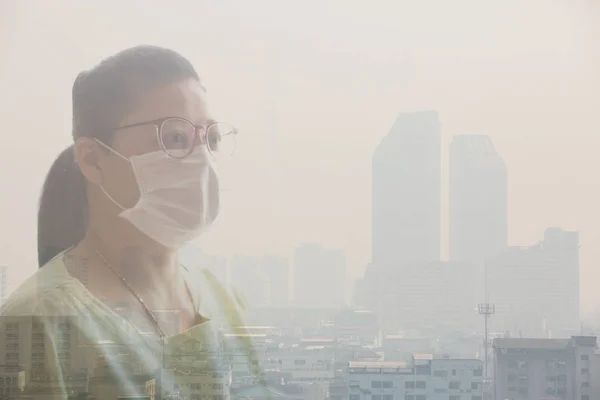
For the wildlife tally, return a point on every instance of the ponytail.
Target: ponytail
(63, 208)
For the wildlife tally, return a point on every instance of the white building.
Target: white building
(425, 379)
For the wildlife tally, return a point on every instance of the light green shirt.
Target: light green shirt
(69, 341)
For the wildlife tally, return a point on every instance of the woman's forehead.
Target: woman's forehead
(185, 99)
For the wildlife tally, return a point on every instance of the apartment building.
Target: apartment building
(426, 378)
(532, 369)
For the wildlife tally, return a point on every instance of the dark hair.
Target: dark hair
(101, 97)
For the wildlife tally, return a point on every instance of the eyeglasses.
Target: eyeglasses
(178, 137)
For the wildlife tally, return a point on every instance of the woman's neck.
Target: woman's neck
(145, 266)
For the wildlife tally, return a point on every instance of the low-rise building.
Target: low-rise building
(426, 378)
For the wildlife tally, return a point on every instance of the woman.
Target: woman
(136, 185)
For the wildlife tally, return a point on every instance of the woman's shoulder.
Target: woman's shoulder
(50, 290)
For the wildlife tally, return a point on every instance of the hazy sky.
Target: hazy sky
(313, 87)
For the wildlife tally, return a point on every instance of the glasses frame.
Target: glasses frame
(159, 123)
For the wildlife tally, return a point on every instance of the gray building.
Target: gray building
(545, 368)
(406, 191)
(536, 288)
(478, 203)
(421, 297)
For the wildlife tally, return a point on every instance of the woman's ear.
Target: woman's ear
(88, 156)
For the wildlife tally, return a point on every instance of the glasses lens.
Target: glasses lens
(220, 138)
(178, 137)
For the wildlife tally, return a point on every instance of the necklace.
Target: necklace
(134, 293)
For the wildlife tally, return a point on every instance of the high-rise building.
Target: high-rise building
(406, 191)
(536, 289)
(319, 277)
(478, 203)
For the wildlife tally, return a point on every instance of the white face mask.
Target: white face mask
(179, 198)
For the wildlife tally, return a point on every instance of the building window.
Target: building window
(523, 364)
(478, 372)
(376, 397)
(409, 385)
(454, 385)
(420, 397)
(585, 371)
(440, 374)
(474, 385)
(388, 397)
(585, 397)
(585, 384)
(409, 397)
(388, 384)
(421, 385)
(585, 357)
(375, 384)
(454, 397)
(562, 380)
(299, 362)
(475, 397)
(354, 397)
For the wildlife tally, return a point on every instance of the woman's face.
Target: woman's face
(185, 99)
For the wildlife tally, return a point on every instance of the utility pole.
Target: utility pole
(486, 310)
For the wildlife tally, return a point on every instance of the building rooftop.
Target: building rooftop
(525, 343)
(423, 356)
(256, 335)
(316, 340)
(377, 364)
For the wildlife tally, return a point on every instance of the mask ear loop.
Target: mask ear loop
(102, 186)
